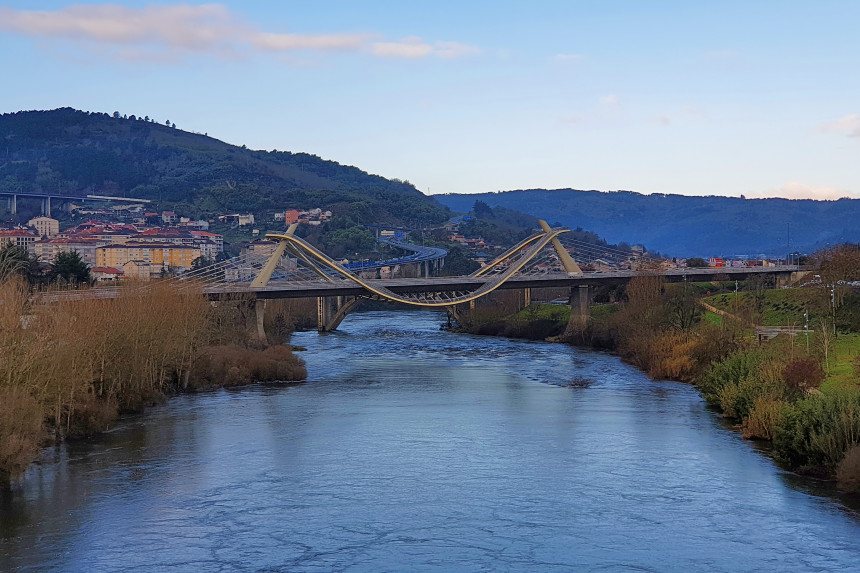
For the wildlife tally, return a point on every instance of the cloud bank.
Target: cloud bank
(167, 31)
(848, 125)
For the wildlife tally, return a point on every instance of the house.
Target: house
(291, 216)
(105, 274)
(137, 270)
(239, 219)
(168, 217)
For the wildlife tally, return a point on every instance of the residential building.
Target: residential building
(137, 270)
(168, 217)
(45, 226)
(19, 237)
(47, 250)
(207, 236)
(239, 219)
(158, 255)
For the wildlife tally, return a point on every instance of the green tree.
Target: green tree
(69, 267)
(482, 210)
(199, 263)
(697, 263)
(458, 263)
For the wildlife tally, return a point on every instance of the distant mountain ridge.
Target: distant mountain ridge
(89, 152)
(681, 225)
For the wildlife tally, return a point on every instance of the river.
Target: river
(415, 449)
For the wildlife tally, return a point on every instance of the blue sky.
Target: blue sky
(718, 98)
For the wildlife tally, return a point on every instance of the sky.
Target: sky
(754, 98)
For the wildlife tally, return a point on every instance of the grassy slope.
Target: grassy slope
(780, 307)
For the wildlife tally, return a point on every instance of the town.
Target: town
(128, 243)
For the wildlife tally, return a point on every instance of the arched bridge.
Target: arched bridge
(297, 269)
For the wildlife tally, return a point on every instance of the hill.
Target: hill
(681, 225)
(78, 152)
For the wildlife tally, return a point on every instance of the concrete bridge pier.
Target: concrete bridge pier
(579, 299)
(789, 278)
(331, 310)
(259, 316)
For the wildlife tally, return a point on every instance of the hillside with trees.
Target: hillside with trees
(681, 225)
(76, 152)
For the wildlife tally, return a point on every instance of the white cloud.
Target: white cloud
(416, 48)
(797, 190)
(662, 120)
(610, 100)
(164, 32)
(570, 119)
(324, 42)
(848, 125)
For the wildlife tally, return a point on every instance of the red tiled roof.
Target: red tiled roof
(17, 233)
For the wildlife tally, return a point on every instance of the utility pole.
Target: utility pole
(833, 306)
(806, 317)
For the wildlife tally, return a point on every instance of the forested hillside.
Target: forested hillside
(77, 152)
(686, 225)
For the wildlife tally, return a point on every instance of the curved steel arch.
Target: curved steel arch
(294, 244)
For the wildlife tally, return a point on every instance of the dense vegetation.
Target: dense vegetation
(68, 368)
(685, 225)
(76, 152)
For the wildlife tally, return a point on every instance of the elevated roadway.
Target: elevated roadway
(275, 290)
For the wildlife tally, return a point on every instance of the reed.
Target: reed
(68, 368)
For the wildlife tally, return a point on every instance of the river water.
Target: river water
(413, 449)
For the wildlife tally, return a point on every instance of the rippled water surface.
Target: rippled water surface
(412, 449)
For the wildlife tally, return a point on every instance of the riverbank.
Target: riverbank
(807, 403)
(68, 369)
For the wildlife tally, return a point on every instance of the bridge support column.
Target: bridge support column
(13, 204)
(579, 299)
(331, 310)
(787, 278)
(260, 315)
(527, 297)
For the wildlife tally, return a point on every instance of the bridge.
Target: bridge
(45, 198)
(297, 269)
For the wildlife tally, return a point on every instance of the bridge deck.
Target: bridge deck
(465, 283)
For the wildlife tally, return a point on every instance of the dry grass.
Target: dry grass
(20, 431)
(69, 367)
(848, 471)
(232, 365)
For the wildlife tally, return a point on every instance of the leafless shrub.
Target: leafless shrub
(848, 471)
